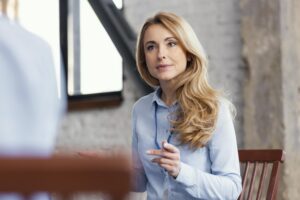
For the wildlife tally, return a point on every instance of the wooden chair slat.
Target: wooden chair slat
(244, 180)
(262, 178)
(252, 180)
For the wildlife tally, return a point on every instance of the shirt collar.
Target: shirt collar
(156, 95)
(157, 98)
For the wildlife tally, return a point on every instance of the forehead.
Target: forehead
(156, 32)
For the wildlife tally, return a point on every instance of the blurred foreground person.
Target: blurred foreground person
(31, 107)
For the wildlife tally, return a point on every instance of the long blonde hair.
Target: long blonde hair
(197, 116)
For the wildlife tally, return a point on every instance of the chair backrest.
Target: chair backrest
(66, 175)
(260, 173)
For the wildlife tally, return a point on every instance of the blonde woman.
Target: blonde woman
(183, 143)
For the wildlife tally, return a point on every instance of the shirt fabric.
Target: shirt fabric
(210, 172)
(30, 106)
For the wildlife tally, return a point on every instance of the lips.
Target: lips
(162, 66)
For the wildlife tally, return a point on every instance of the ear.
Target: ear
(189, 56)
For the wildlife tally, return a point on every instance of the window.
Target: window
(94, 63)
(92, 39)
(42, 18)
(91, 54)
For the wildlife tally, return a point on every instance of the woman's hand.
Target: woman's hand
(168, 158)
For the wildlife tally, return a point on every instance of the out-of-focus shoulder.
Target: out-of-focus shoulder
(226, 107)
(13, 33)
(143, 101)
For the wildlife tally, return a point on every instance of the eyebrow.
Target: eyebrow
(153, 42)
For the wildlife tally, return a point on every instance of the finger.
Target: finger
(163, 143)
(170, 155)
(172, 170)
(170, 147)
(157, 152)
(167, 167)
(156, 160)
(161, 161)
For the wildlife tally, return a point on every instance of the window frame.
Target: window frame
(124, 40)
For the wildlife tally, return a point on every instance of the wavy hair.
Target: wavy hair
(197, 116)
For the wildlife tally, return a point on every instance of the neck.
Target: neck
(168, 94)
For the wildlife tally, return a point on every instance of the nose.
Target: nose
(161, 54)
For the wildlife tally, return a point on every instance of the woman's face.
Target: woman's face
(165, 58)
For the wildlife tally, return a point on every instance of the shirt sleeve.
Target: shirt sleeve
(224, 181)
(139, 177)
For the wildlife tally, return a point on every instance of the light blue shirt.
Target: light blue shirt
(30, 106)
(211, 172)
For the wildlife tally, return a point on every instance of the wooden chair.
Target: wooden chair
(66, 176)
(260, 173)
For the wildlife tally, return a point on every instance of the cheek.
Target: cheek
(148, 65)
(181, 57)
(151, 70)
(183, 62)
(149, 62)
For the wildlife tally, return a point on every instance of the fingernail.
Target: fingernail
(148, 152)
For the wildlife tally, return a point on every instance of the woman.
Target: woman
(183, 142)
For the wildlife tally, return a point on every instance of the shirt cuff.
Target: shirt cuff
(186, 175)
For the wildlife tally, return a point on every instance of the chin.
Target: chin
(166, 78)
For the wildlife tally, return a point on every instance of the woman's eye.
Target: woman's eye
(150, 47)
(172, 44)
